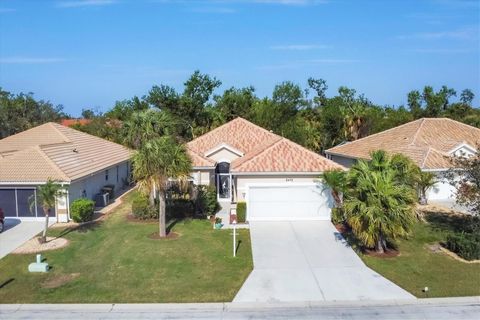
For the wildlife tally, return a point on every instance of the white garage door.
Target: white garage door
(288, 202)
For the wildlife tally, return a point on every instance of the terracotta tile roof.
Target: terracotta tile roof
(71, 122)
(56, 152)
(238, 133)
(426, 141)
(285, 156)
(263, 151)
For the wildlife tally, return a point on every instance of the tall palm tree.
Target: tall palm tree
(425, 181)
(335, 180)
(146, 125)
(154, 164)
(46, 196)
(377, 205)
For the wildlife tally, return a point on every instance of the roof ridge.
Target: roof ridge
(228, 123)
(375, 134)
(54, 126)
(283, 139)
(461, 123)
(246, 159)
(51, 162)
(312, 152)
(426, 157)
(417, 131)
(199, 155)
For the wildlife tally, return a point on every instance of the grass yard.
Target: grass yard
(417, 266)
(115, 261)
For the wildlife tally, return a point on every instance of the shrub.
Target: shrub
(466, 245)
(207, 200)
(180, 208)
(141, 208)
(81, 210)
(241, 212)
(338, 216)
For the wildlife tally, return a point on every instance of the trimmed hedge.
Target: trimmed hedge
(141, 208)
(81, 210)
(241, 211)
(466, 245)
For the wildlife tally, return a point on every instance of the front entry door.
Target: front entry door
(224, 187)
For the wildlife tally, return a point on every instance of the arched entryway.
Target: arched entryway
(223, 181)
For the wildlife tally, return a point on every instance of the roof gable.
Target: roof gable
(239, 133)
(285, 156)
(428, 142)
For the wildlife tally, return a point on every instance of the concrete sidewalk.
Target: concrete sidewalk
(440, 308)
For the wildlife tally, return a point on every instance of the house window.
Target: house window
(106, 175)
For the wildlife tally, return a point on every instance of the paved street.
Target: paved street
(16, 233)
(309, 261)
(447, 308)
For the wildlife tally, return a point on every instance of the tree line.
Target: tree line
(302, 114)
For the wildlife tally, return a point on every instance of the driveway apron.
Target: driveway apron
(309, 261)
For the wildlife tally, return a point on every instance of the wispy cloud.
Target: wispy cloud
(462, 34)
(440, 50)
(292, 2)
(29, 60)
(222, 2)
(300, 47)
(306, 64)
(84, 3)
(6, 10)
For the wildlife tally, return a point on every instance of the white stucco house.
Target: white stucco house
(276, 177)
(82, 163)
(429, 142)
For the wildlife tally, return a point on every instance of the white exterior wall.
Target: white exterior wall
(344, 161)
(242, 181)
(95, 182)
(203, 177)
(442, 190)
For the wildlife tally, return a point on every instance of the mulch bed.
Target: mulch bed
(342, 228)
(170, 236)
(58, 281)
(390, 253)
(34, 246)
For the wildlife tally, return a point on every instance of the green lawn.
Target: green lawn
(417, 266)
(117, 262)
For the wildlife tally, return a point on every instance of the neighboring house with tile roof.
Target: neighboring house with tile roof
(83, 163)
(275, 176)
(429, 142)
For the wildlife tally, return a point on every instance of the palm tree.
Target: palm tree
(377, 205)
(46, 196)
(425, 180)
(335, 180)
(154, 164)
(145, 125)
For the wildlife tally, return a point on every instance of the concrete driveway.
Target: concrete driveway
(309, 261)
(16, 233)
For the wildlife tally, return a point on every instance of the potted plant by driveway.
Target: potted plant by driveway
(218, 223)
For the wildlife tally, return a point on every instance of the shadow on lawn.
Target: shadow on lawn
(452, 222)
(82, 228)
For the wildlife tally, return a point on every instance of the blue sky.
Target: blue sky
(90, 53)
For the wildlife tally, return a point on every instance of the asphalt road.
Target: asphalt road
(451, 309)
